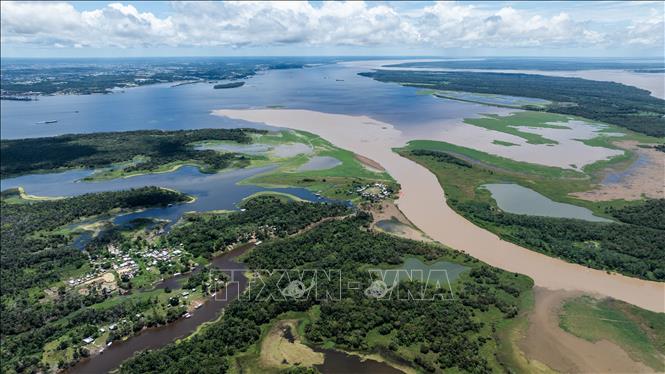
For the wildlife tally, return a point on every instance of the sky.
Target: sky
(383, 28)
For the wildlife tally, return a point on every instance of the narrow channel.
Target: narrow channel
(160, 336)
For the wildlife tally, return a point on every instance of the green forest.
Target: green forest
(33, 256)
(36, 255)
(521, 63)
(634, 245)
(105, 149)
(264, 216)
(608, 102)
(457, 334)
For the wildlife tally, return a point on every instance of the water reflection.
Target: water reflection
(327, 88)
(219, 191)
(514, 198)
(320, 163)
(337, 362)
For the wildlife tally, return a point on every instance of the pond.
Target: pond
(336, 362)
(291, 150)
(320, 163)
(513, 198)
(392, 226)
(252, 149)
(438, 273)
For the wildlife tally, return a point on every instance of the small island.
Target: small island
(228, 85)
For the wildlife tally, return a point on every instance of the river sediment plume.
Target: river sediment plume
(423, 202)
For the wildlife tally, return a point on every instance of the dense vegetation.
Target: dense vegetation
(630, 249)
(104, 149)
(441, 157)
(635, 246)
(534, 64)
(36, 255)
(650, 214)
(431, 335)
(32, 256)
(228, 85)
(608, 102)
(264, 217)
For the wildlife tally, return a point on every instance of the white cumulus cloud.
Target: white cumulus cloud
(249, 23)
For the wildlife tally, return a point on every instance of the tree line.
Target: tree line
(609, 102)
(104, 149)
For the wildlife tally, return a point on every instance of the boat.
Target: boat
(49, 122)
(188, 315)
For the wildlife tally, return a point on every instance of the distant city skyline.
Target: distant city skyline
(454, 29)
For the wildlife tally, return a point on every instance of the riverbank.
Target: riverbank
(642, 178)
(156, 337)
(423, 202)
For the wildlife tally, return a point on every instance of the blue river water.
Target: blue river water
(219, 191)
(330, 88)
(516, 199)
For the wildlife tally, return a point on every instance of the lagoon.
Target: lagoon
(219, 191)
(440, 273)
(320, 163)
(516, 199)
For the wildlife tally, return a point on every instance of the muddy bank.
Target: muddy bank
(546, 342)
(423, 202)
(388, 217)
(369, 163)
(644, 178)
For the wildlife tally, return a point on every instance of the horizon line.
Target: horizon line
(325, 56)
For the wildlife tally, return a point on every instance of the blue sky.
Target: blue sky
(510, 28)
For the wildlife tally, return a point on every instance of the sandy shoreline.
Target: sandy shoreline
(644, 181)
(423, 202)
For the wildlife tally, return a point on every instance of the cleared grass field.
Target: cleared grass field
(282, 347)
